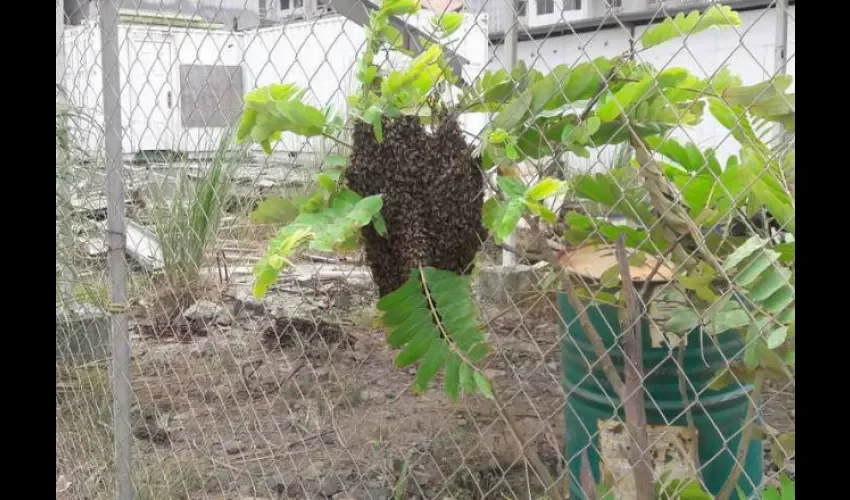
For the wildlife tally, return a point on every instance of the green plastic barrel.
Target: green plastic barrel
(718, 415)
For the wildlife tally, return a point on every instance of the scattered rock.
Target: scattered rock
(224, 318)
(202, 310)
(374, 396)
(363, 492)
(233, 447)
(279, 485)
(330, 486)
(253, 306)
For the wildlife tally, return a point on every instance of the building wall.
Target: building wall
(317, 55)
(747, 50)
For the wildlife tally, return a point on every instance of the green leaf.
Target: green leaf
(366, 209)
(692, 23)
(755, 267)
(622, 100)
(452, 377)
(434, 360)
(491, 213)
(498, 136)
(434, 320)
(545, 188)
(586, 79)
(786, 485)
(540, 210)
(510, 218)
(511, 187)
(336, 160)
(467, 379)
(769, 283)
(399, 7)
(483, 385)
(683, 320)
(779, 300)
(777, 337)
(380, 224)
(514, 112)
(449, 22)
(753, 94)
(275, 210)
(749, 247)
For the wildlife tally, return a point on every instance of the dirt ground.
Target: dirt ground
(265, 401)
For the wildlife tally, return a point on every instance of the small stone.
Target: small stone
(330, 486)
(278, 485)
(224, 319)
(253, 306)
(364, 493)
(553, 366)
(375, 396)
(202, 310)
(233, 447)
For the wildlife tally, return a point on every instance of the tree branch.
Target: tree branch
(633, 402)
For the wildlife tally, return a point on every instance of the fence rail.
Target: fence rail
(634, 275)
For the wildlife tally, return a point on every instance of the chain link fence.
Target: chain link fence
(174, 381)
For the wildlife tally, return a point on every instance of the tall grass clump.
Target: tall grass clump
(186, 225)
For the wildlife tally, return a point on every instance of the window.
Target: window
(572, 4)
(545, 7)
(613, 3)
(285, 4)
(522, 9)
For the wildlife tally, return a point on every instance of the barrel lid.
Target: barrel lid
(591, 261)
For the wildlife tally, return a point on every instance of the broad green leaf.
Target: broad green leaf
(683, 320)
(498, 136)
(724, 321)
(400, 7)
(483, 385)
(366, 209)
(787, 487)
(467, 379)
(512, 187)
(491, 213)
(511, 217)
(622, 100)
(755, 267)
(777, 302)
(545, 188)
(749, 247)
(452, 377)
(336, 160)
(776, 337)
(769, 283)
(392, 36)
(692, 23)
(753, 94)
(275, 209)
(540, 210)
(514, 112)
(416, 348)
(449, 22)
(435, 359)
(585, 80)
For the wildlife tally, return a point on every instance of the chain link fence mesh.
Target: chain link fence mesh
(295, 395)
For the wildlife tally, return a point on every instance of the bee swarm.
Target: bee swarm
(433, 191)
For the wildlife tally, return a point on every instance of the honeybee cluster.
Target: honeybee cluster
(433, 192)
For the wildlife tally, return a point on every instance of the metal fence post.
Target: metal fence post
(120, 376)
(511, 45)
